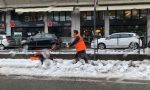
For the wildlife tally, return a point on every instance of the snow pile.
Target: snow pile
(59, 67)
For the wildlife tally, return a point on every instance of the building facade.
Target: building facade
(28, 17)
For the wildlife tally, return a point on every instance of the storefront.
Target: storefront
(2, 23)
(26, 24)
(87, 26)
(128, 21)
(59, 23)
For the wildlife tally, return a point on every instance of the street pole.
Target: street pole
(94, 22)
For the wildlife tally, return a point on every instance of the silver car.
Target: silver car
(118, 40)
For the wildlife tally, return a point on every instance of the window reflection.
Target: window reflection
(59, 16)
(102, 16)
(135, 14)
(143, 13)
(120, 15)
(112, 14)
(68, 16)
(128, 21)
(62, 16)
(89, 16)
(86, 15)
(56, 16)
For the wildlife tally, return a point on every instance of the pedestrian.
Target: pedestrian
(80, 47)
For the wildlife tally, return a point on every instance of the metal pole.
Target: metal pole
(94, 21)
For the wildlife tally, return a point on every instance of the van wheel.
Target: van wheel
(101, 46)
(133, 45)
(2, 47)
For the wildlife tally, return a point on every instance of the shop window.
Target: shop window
(40, 17)
(68, 16)
(101, 15)
(97, 16)
(62, 16)
(89, 16)
(135, 14)
(50, 16)
(83, 16)
(143, 13)
(120, 15)
(56, 16)
(128, 14)
(33, 17)
(112, 15)
(26, 18)
(86, 15)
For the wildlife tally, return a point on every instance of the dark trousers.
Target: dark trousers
(81, 54)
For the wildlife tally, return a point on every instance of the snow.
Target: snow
(66, 68)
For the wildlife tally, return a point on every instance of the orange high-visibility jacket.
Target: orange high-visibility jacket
(80, 45)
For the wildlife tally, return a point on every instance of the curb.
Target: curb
(134, 57)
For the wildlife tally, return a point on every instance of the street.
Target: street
(27, 83)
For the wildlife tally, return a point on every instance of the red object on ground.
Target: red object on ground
(34, 58)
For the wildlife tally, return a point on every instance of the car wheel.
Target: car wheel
(133, 45)
(101, 46)
(2, 47)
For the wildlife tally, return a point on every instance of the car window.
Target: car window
(37, 36)
(114, 36)
(1, 37)
(48, 35)
(124, 35)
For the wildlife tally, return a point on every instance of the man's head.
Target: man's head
(75, 32)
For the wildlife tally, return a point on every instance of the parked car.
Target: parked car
(40, 40)
(118, 40)
(6, 41)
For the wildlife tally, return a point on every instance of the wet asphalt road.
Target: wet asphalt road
(11, 83)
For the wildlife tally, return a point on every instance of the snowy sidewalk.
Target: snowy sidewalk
(133, 70)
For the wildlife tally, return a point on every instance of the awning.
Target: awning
(127, 7)
(22, 10)
(61, 9)
(98, 8)
(47, 9)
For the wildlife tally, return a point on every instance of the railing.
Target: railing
(19, 43)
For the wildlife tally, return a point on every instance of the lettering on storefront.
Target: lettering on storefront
(28, 24)
(33, 18)
(50, 24)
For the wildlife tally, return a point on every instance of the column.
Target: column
(148, 26)
(45, 23)
(8, 18)
(75, 21)
(107, 24)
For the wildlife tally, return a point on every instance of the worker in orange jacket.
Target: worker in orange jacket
(80, 46)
